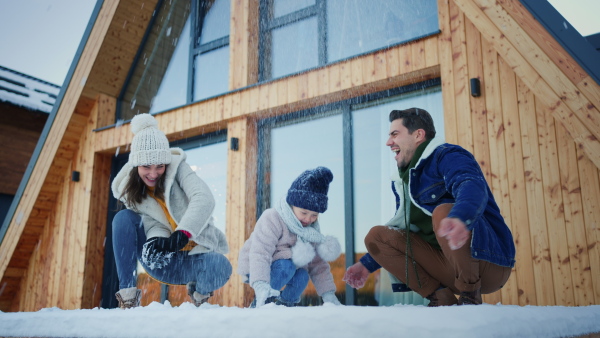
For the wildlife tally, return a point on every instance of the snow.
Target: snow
(26, 91)
(164, 320)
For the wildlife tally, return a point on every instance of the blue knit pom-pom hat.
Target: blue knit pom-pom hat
(309, 190)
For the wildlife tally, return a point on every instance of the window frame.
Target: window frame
(198, 14)
(267, 24)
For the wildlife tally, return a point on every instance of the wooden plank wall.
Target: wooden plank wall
(241, 202)
(52, 272)
(529, 157)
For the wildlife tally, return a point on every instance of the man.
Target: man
(458, 243)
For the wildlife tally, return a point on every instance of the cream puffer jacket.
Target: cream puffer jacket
(188, 200)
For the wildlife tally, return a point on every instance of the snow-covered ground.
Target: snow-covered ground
(163, 320)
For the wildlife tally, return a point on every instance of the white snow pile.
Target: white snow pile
(164, 320)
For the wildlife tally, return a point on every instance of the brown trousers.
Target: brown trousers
(455, 269)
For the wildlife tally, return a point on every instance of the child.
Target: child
(286, 246)
(168, 223)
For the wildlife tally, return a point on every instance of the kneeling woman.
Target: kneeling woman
(168, 224)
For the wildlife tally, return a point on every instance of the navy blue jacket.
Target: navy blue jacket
(450, 174)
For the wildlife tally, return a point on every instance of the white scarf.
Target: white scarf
(311, 233)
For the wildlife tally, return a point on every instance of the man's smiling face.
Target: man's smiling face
(403, 143)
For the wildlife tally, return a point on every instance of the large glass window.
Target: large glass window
(209, 73)
(299, 35)
(211, 52)
(356, 27)
(208, 158)
(294, 48)
(173, 88)
(360, 196)
(164, 36)
(184, 57)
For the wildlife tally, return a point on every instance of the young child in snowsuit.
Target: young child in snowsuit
(287, 247)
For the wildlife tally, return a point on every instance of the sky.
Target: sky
(331, 321)
(40, 37)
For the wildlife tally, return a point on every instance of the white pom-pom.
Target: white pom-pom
(329, 250)
(142, 121)
(302, 253)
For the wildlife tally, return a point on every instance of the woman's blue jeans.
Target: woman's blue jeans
(285, 273)
(210, 270)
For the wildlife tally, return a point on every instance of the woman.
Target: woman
(168, 223)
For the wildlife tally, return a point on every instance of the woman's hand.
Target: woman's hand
(157, 251)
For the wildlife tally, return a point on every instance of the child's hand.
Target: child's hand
(356, 275)
(329, 297)
(263, 291)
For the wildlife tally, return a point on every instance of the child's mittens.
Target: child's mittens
(302, 253)
(330, 249)
(329, 297)
(262, 291)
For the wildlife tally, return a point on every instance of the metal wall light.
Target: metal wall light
(475, 87)
(234, 144)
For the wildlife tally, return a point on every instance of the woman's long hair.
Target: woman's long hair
(135, 191)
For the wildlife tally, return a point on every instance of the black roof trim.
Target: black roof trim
(594, 40)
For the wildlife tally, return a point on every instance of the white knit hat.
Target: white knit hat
(150, 145)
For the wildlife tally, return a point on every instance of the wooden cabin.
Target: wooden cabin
(25, 104)
(257, 91)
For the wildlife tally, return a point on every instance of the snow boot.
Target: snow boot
(197, 298)
(470, 297)
(129, 298)
(442, 297)
(284, 303)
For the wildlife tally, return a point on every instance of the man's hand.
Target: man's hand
(356, 275)
(455, 231)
